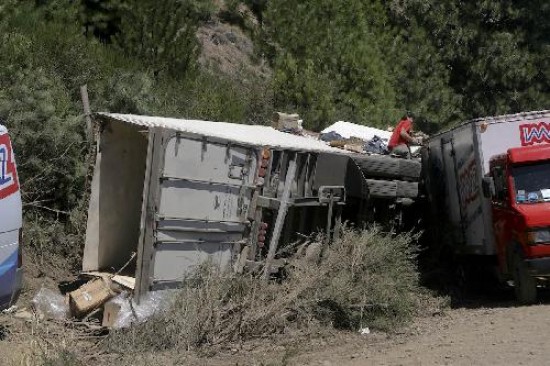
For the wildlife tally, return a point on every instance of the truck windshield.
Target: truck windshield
(532, 182)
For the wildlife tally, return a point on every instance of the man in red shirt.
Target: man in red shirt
(402, 138)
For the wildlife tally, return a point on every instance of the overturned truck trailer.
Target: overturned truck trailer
(179, 192)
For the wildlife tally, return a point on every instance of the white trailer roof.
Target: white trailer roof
(254, 135)
(348, 129)
(497, 119)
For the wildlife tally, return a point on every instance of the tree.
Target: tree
(102, 18)
(494, 52)
(162, 35)
(328, 61)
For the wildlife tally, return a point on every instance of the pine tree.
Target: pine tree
(162, 35)
(328, 61)
(102, 18)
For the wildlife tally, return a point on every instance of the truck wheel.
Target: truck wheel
(525, 285)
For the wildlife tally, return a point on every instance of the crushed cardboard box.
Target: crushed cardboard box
(98, 291)
(90, 296)
(285, 121)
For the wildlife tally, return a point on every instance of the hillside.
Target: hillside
(363, 61)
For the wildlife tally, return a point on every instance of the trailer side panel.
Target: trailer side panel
(205, 193)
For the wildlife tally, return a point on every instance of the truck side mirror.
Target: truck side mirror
(488, 186)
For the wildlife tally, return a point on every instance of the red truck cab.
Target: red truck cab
(519, 184)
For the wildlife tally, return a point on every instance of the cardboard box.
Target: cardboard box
(90, 296)
(111, 310)
(284, 121)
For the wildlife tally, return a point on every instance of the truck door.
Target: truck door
(453, 189)
(204, 192)
(502, 214)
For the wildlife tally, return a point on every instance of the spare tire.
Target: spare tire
(410, 168)
(407, 189)
(388, 167)
(382, 188)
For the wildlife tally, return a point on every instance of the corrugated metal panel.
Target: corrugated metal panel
(252, 135)
(205, 193)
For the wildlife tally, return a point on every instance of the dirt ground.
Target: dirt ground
(483, 331)
(488, 331)
(485, 336)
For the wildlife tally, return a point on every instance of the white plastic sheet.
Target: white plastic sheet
(132, 313)
(50, 304)
(348, 129)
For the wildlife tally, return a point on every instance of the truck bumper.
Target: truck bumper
(539, 266)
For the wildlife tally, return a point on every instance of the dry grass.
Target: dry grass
(40, 342)
(366, 278)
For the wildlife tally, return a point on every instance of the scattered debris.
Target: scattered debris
(354, 144)
(88, 300)
(111, 312)
(50, 304)
(284, 121)
(90, 296)
(356, 138)
(364, 331)
(124, 281)
(331, 136)
(376, 145)
(12, 309)
(122, 311)
(348, 130)
(24, 314)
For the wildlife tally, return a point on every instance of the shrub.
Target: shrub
(366, 278)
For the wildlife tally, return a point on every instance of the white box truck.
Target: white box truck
(488, 182)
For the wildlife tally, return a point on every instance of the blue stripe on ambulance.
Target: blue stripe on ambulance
(7, 274)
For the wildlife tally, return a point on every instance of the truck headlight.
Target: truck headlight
(539, 236)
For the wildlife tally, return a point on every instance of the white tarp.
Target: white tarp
(254, 135)
(348, 129)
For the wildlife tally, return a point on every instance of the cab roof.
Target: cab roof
(528, 154)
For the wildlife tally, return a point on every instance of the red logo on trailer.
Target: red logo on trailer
(9, 183)
(469, 187)
(534, 133)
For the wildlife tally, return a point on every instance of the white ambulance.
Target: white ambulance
(10, 224)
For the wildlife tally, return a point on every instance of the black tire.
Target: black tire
(525, 285)
(407, 189)
(382, 188)
(388, 167)
(378, 165)
(392, 188)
